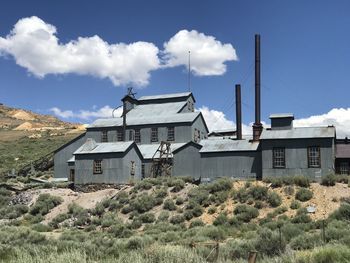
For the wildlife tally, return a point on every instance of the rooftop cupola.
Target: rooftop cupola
(282, 121)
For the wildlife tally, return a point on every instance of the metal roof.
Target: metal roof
(227, 145)
(105, 147)
(71, 160)
(151, 119)
(281, 115)
(342, 151)
(166, 96)
(145, 110)
(148, 150)
(299, 133)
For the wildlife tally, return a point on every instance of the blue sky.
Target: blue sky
(305, 56)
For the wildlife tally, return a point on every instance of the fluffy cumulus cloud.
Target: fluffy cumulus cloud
(340, 118)
(34, 45)
(104, 112)
(217, 120)
(208, 55)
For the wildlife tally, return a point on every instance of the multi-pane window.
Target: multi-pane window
(97, 167)
(104, 136)
(314, 156)
(344, 168)
(279, 158)
(143, 171)
(137, 136)
(120, 136)
(196, 136)
(71, 175)
(171, 134)
(190, 106)
(154, 134)
(131, 135)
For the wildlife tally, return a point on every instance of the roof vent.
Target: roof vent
(282, 121)
(89, 145)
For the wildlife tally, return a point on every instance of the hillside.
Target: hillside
(162, 219)
(26, 136)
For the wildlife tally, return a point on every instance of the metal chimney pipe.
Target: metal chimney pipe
(257, 126)
(257, 79)
(238, 112)
(124, 120)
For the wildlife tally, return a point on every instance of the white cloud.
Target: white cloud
(216, 120)
(104, 112)
(339, 117)
(208, 55)
(34, 45)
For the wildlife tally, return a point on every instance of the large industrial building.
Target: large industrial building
(164, 136)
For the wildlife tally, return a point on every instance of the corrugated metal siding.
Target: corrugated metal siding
(296, 157)
(62, 156)
(230, 164)
(186, 162)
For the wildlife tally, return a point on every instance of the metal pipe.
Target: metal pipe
(124, 120)
(238, 112)
(257, 79)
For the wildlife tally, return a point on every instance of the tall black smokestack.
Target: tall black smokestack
(257, 126)
(238, 112)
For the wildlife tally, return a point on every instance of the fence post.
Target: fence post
(252, 256)
(216, 251)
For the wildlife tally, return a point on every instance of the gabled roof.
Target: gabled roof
(68, 143)
(227, 145)
(166, 96)
(299, 133)
(342, 151)
(105, 147)
(146, 110)
(187, 117)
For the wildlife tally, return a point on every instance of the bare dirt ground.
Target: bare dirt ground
(85, 200)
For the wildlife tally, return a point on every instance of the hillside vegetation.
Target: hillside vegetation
(173, 220)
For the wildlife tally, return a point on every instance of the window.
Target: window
(344, 168)
(314, 156)
(71, 175)
(171, 134)
(131, 135)
(132, 168)
(97, 166)
(190, 106)
(119, 136)
(137, 136)
(143, 171)
(104, 136)
(197, 135)
(154, 134)
(279, 158)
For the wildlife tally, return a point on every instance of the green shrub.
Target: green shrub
(179, 200)
(237, 249)
(269, 243)
(330, 253)
(99, 209)
(274, 199)
(163, 216)
(143, 203)
(258, 192)
(301, 217)
(213, 232)
(134, 243)
(122, 197)
(295, 204)
(196, 222)
(289, 190)
(44, 204)
(177, 184)
(145, 184)
(169, 205)
(33, 219)
(199, 195)
(219, 197)
(259, 204)
(221, 220)
(136, 223)
(245, 213)
(41, 228)
(220, 185)
(177, 219)
(169, 236)
(301, 181)
(161, 193)
(274, 181)
(342, 178)
(305, 241)
(212, 210)
(303, 194)
(188, 214)
(342, 213)
(290, 231)
(328, 180)
(147, 218)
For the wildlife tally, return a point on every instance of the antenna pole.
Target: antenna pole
(189, 70)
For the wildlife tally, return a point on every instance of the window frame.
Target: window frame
(309, 161)
(97, 170)
(119, 135)
(137, 135)
(131, 135)
(104, 136)
(282, 158)
(171, 129)
(154, 134)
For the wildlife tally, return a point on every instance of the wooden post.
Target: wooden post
(216, 252)
(252, 256)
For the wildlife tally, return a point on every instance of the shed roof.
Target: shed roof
(281, 115)
(227, 145)
(71, 160)
(151, 119)
(105, 147)
(165, 96)
(342, 151)
(299, 133)
(148, 150)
